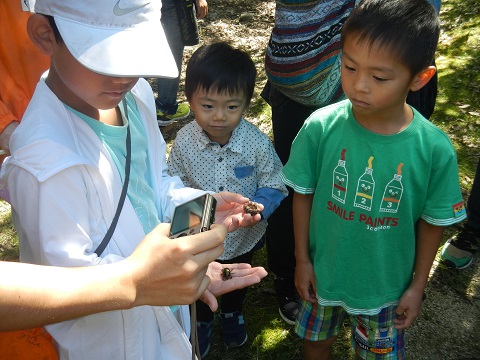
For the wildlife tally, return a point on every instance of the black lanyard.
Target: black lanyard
(108, 235)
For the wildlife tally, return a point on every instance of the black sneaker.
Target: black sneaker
(288, 300)
(457, 253)
(288, 310)
(233, 329)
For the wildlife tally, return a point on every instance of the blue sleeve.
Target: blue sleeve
(269, 198)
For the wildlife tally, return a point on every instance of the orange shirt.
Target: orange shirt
(21, 63)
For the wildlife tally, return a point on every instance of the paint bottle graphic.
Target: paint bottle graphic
(393, 192)
(340, 180)
(365, 188)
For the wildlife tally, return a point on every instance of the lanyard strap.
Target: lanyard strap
(99, 250)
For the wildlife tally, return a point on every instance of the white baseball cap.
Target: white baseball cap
(114, 37)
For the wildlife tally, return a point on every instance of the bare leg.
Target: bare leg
(318, 350)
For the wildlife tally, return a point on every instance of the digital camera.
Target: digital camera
(193, 217)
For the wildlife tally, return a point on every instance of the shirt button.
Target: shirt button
(220, 159)
(221, 188)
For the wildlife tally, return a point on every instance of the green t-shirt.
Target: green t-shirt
(369, 191)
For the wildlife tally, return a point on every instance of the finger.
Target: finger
(312, 293)
(239, 270)
(303, 292)
(209, 299)
(204, 285)
(238, 283)
(204, 241)
(234, 224)
(260, 206)
(229, 197)
(248, 219)
(161, 229)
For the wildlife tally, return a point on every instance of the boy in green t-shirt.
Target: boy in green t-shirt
(375, 183)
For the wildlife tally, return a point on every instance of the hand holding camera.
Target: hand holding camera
(230, 209)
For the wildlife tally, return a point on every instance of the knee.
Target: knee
(319, 349)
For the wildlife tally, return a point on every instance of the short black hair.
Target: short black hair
(221, 68)
(407, 28)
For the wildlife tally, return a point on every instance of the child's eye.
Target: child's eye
(349, 68)
(379, 79)
(233, 107)
(207, 106)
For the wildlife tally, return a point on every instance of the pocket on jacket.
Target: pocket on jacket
(244, 171)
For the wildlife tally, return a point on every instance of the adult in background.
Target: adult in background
(302, 63)
(21, 65)
(168, 108)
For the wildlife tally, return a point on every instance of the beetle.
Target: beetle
(226, 274)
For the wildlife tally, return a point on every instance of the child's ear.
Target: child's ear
(422, 78)
(41, 33)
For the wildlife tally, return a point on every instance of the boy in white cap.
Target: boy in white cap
(88, 138)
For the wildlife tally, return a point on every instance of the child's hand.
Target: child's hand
(305, 281)
(408, 308)
(164, 271)
(202, 8)
(242, 275)
(230, 211)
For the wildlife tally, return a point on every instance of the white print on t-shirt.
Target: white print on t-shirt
(393, 192)
(365, 188)
(364, 195)
(340, 180)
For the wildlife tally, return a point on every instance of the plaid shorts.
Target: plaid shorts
(373, 337)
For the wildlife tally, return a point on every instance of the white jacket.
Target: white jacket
(64, 190)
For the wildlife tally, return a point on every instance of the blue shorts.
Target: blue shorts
(373, 336)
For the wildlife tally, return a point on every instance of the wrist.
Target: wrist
(302, 258)
(418, 285)
(125, 282)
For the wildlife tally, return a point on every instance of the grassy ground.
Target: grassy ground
(449, 327)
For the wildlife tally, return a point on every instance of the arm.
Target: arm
(427, 243)
(270, 188)
(34, 295)
(269, 198)
(304, 272)
(5, 135)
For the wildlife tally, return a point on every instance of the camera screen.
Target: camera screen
(188, 215)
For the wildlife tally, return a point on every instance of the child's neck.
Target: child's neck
(388, 122)
(67, 96)
(111, 117)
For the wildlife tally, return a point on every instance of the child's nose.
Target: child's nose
(219, 114)
(361, 83)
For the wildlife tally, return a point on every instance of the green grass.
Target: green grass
(457, 110)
